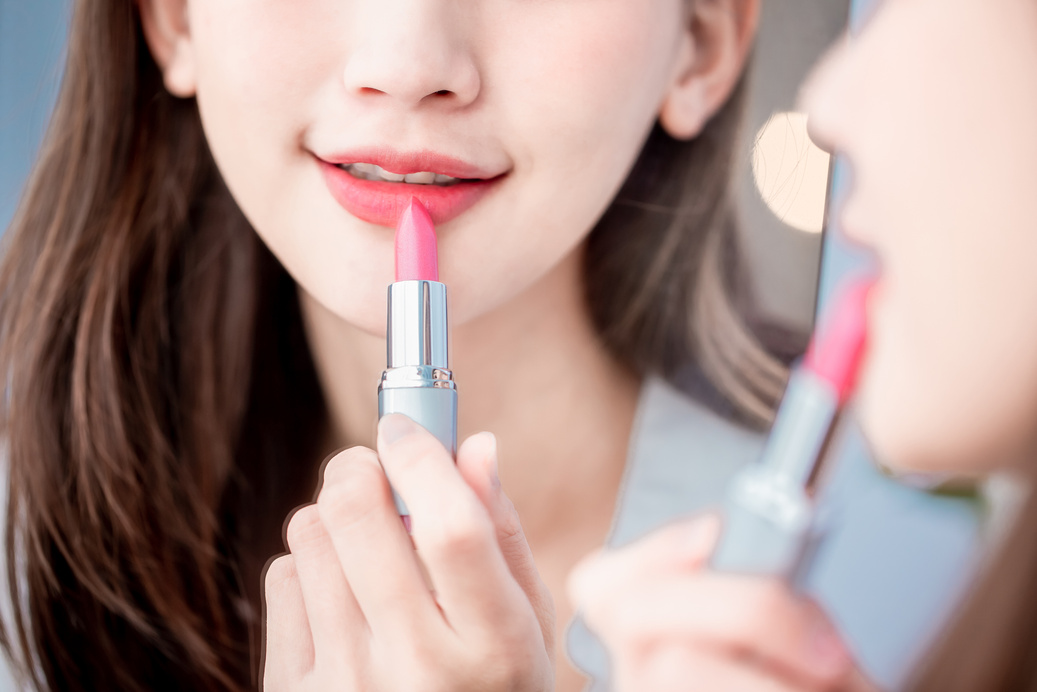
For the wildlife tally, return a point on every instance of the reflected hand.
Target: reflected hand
(670, 624)
(350, 609)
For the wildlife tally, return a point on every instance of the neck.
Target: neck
(533, 371)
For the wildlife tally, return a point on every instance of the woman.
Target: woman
(191, 322)
(942, 144)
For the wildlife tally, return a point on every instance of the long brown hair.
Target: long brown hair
(162, 412)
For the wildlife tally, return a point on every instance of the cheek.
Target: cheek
(260, 68)
(264, 69)
(573, 91)
(587, 89)
(267, 53)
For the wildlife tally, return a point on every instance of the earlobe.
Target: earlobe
(709, 64)
(685, 112)
(167, 32)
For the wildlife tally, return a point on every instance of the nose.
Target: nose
(413, 52)
(826, 96)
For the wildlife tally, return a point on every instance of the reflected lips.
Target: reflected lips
(838, 345)
(383, 203)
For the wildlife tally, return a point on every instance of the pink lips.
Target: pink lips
(383, 203)
(839, 343)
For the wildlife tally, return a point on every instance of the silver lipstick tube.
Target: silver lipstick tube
(768, 511)
(418, 382)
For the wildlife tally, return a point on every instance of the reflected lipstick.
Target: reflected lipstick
(769, 509)
(417, 381)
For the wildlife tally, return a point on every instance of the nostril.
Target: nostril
(443, 92)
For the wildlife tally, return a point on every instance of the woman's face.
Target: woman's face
(547, 103)
(935, 106)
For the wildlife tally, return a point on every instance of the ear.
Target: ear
(716, 45)
(168, 34)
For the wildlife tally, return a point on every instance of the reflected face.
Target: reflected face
(517, 122)
(935, 106)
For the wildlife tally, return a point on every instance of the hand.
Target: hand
(670, 624)
(350, 609)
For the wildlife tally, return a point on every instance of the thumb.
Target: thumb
(477, 463)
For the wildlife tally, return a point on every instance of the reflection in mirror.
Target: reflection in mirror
(783, 188)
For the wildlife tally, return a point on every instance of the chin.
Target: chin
(898, 437)
(920, 444)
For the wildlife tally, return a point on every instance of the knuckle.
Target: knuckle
(622, 622)
(431, 669)
(509, 526)
(305, 529)
(665, 664)
(342, 464)
(511, 665)
(280, 573)
(418, 449)
(762, 608)
(425, 656)
(355, 488)
(460, 531)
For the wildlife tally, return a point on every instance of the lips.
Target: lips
(364, 194)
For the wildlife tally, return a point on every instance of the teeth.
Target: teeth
(423, 178)
(369, 171)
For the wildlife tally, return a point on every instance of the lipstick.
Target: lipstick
(417, 381)
(769, 508)
(461, 184)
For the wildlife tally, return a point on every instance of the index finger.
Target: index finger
(605, 575)
(749, 618)
(451, 528)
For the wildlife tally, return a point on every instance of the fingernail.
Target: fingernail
(827, 650)
(394, 427)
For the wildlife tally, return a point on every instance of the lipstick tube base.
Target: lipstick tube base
(766, 523)
(432, 407)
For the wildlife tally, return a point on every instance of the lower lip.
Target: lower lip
(381, 203)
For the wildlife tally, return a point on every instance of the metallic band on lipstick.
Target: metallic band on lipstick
(418, 382)
(768, 512)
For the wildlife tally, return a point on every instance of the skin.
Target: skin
(559, 96)
(941, 140)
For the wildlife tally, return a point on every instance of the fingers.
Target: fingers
(679, 547)
(336, 622)
(682, 669)
(741, 618)
(372, 546)
(477, 461)
(450, 527)
(287, 643)
(655, 593)
(758, 618)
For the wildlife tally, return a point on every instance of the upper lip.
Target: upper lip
(407, 162)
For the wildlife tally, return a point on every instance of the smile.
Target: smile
(369, 171)
(376, 185)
